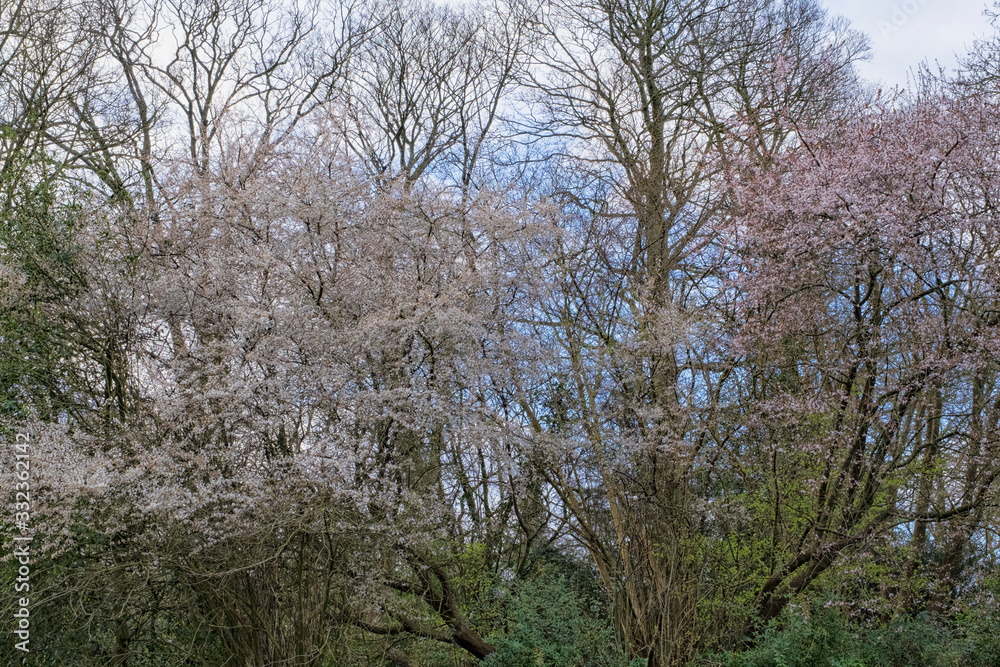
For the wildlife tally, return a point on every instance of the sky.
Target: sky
(905, 32)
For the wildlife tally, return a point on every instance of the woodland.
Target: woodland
(569, 333)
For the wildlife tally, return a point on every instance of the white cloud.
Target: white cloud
(904, 33)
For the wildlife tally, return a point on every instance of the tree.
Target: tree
(651, 102)
(869, 328)
(373, 349)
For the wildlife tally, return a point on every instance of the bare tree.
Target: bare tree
(651, 104)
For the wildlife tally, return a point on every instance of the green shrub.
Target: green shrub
(823, 637)
(557, 617)
(820, 639)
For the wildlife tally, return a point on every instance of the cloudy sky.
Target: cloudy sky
(905, 32)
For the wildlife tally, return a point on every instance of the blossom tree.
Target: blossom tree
(864, 293)
(368, 335)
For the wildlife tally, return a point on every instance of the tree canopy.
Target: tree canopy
(590, 332)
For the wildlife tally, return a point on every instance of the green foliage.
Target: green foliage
(979, 620)
(823, 637)
(39, 277)
(477, 583)
(82, 601)
(557, 617)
